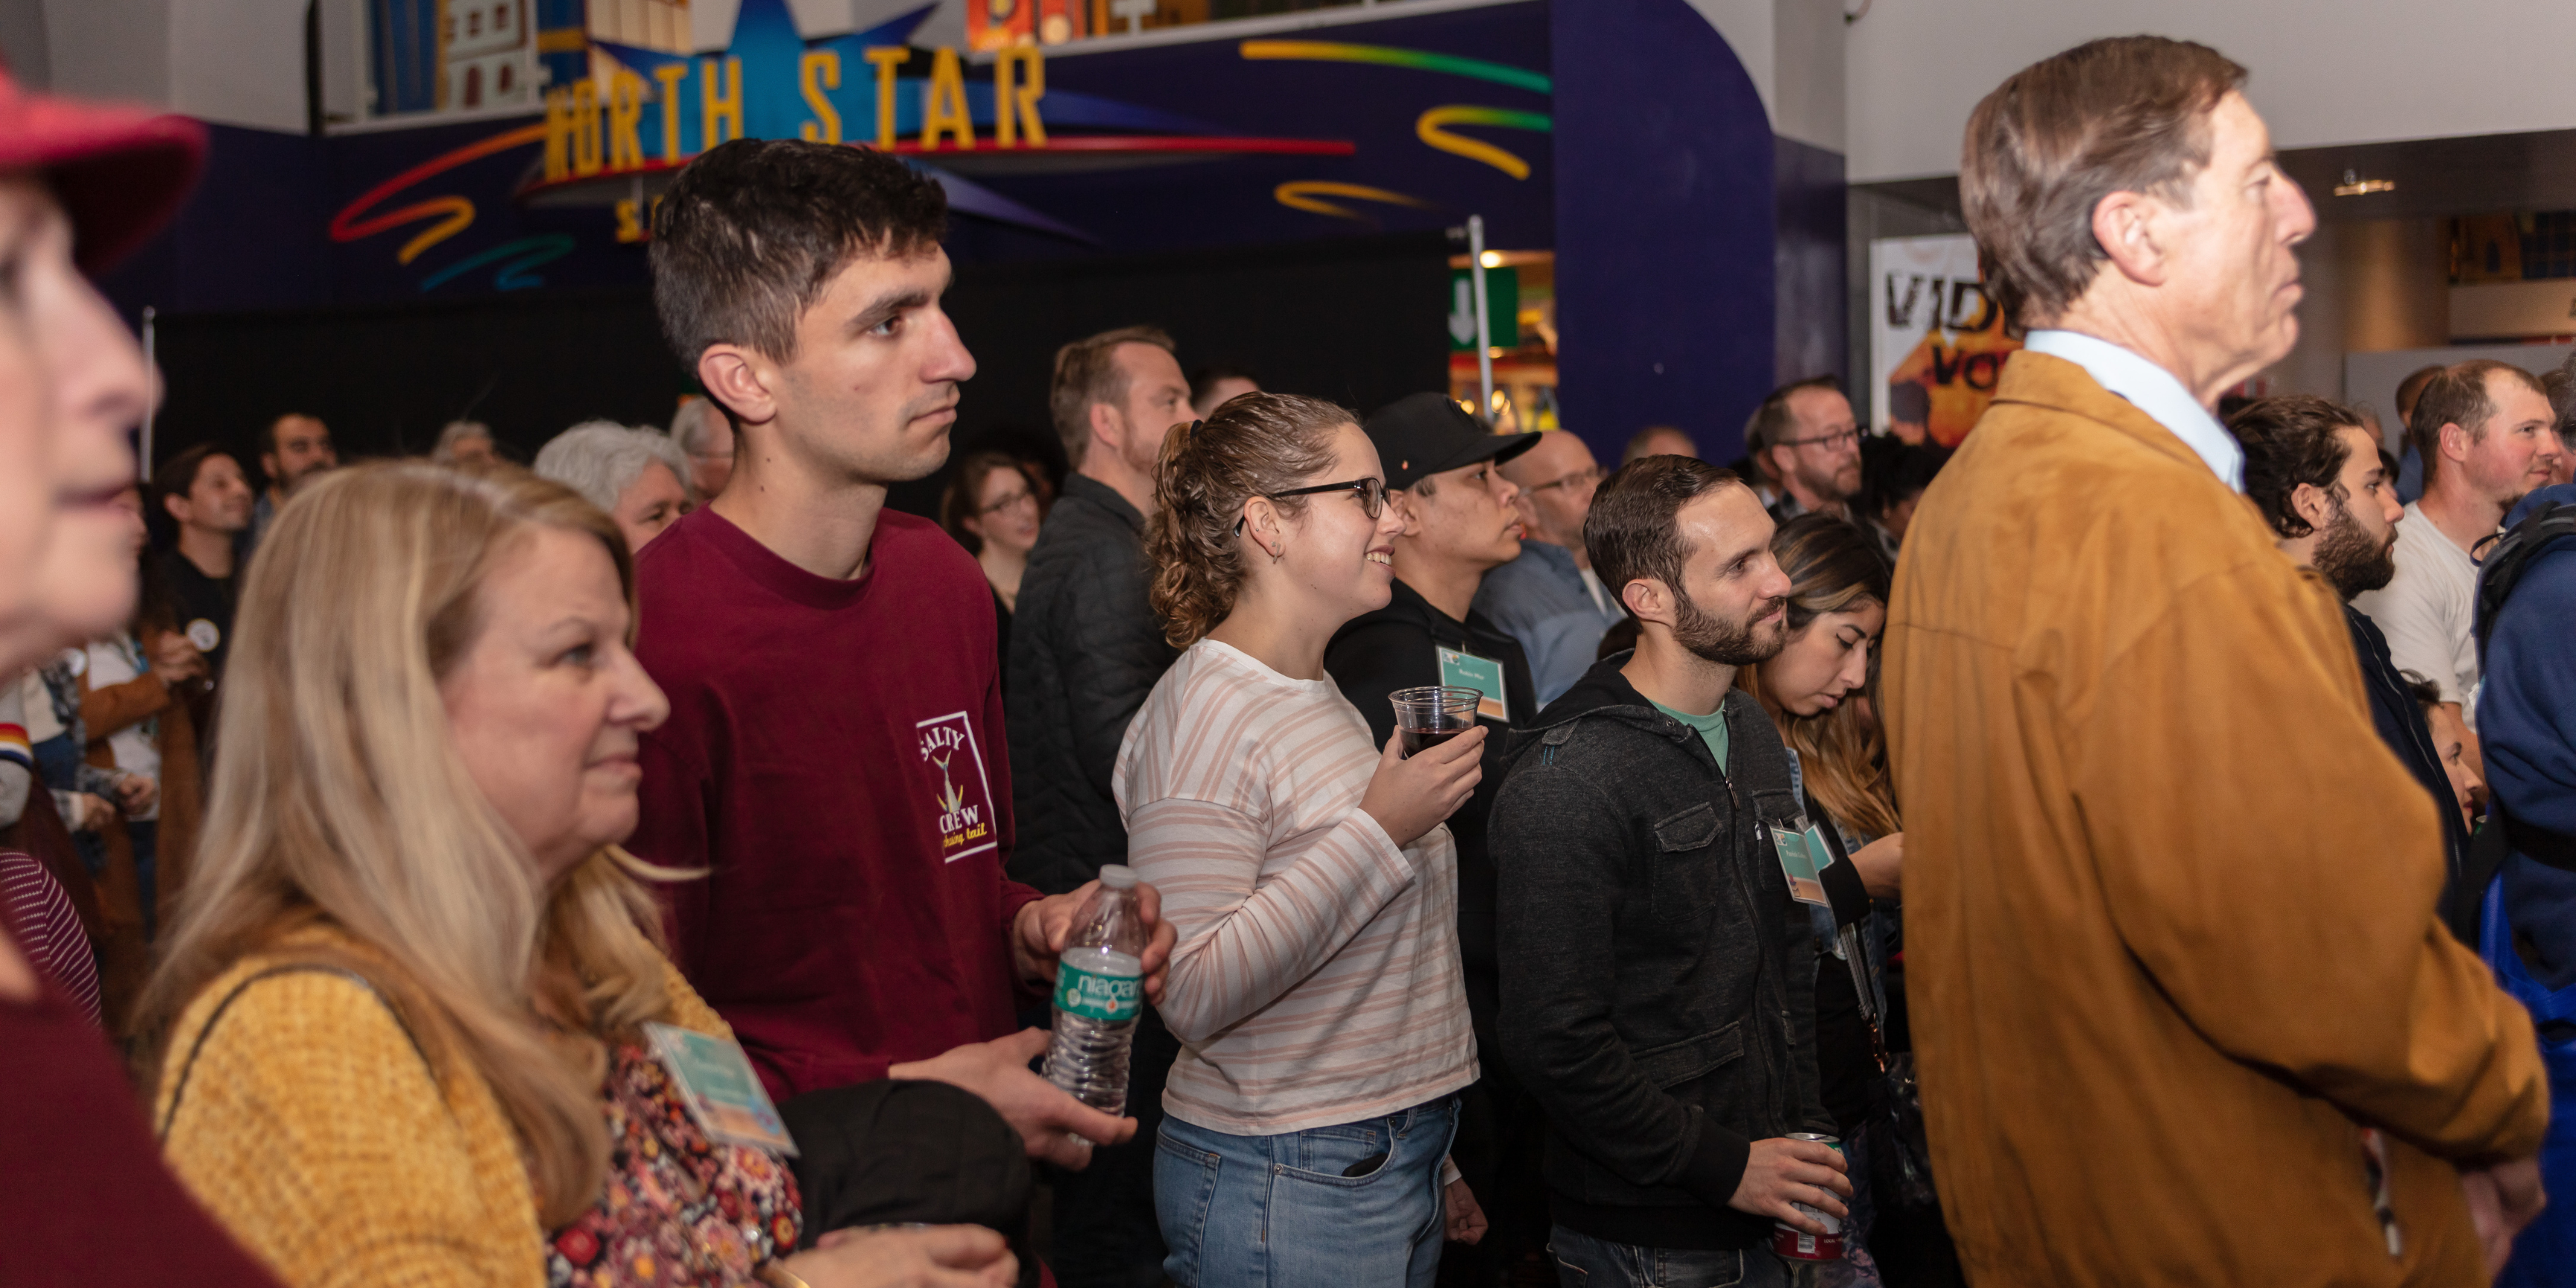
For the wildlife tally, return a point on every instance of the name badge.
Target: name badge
(723, 1094)
(1484, 675)
(1803, 858)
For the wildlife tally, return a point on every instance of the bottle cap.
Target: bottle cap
(1118, 876)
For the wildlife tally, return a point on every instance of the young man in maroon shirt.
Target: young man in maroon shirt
(834, 758)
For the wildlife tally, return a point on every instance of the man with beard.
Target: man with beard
(2326, 490)
(1806, 433)
(295, 448)
(1657, 979)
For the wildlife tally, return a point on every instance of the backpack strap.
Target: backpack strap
(2466, 897)
(179, 1091)
(2503, 566)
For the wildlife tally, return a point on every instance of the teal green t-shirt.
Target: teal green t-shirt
(1712, 729)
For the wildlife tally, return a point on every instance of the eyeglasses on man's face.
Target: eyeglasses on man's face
(1372, 494)
(1833, 442)
(1580, 478)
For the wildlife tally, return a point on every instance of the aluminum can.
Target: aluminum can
(1793, 1244)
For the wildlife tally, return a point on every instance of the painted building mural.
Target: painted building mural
(1043, 151)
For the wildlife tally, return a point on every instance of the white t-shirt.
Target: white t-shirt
(2428, 610)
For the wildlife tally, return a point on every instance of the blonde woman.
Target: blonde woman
(1316, 985)
(413, 961)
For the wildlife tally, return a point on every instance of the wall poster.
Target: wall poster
(1937, 341)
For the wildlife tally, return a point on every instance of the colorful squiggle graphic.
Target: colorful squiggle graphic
(1428, 130)
(1308, 194)
(1334, 51)
(459, 212)
(524, 254)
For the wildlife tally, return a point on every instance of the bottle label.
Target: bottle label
(1098, 996)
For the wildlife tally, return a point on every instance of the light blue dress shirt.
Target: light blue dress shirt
(1541, 600)
(2153, 390)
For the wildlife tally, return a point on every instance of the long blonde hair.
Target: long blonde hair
(339, 799)
(1833, 568)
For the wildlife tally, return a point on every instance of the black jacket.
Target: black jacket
(1658, 980)
(2401, 725)
(1394, 648)
(1086, 649)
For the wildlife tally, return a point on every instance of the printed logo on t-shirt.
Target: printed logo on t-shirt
(965, 800)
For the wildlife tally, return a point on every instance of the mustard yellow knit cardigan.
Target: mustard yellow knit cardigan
(314, 1130)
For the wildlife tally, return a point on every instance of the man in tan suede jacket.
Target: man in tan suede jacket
(2169, 900)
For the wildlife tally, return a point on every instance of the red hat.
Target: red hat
(119, 171)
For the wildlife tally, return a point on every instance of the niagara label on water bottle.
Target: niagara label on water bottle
(1099, 992)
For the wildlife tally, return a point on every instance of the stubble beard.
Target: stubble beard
(1740, 643)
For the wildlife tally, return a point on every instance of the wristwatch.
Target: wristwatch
(777, 1275)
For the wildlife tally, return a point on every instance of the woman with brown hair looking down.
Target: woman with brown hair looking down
(1816, 692)
(414, 960)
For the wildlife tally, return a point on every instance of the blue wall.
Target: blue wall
(1664, 226)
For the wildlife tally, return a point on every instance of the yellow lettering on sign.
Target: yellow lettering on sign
(671, 76)
(886, 58)
(943, 104)
(559, 128)
(625, 110)
(720, 107)
(634, 225)
(819, 70)
(1015, 108)
(586, 159)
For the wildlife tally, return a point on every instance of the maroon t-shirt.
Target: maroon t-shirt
(834, 759)
(84, 1199)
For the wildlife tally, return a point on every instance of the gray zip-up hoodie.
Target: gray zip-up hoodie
(1658, 983)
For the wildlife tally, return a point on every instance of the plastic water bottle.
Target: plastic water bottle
(1099, 992)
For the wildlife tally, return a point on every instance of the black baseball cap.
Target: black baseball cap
(1423, 434)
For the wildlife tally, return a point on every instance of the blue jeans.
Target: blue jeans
(1586, 1262)
(1278, 1211)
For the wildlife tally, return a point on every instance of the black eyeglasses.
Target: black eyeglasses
(1576, 479)
(1372, 496)
(1830, 442)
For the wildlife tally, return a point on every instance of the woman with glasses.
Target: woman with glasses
(993, 507)
(1316, 987)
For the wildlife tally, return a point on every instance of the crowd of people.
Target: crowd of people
(2138, 848)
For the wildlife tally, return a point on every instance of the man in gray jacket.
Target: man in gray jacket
(1085, 650)
(1657, 977)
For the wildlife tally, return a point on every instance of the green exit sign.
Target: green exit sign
(1502, 308)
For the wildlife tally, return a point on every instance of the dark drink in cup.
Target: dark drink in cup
(1433, 714)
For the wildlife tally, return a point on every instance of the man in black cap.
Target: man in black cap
(1459, 524)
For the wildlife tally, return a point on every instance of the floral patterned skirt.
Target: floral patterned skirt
(679, 1210)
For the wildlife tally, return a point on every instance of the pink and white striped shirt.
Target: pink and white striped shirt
(39, 915)
(1316, 980)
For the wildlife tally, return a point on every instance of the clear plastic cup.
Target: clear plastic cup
(1433, 714)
